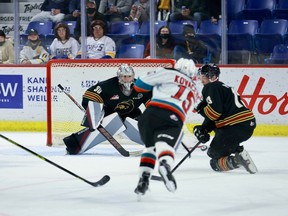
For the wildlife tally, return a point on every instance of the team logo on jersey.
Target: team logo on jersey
(125, 107)
(139, 96)
(209, 100)
(114, 97)
(174, 117)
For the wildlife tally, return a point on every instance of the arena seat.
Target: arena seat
(131, 51)
(279, 55)
(259, 9)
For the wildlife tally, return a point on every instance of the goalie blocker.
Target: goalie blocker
(87, 138)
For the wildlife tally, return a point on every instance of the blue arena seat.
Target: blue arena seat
(281, 10)
(210, 34)
(123, 31)
(43, 28)
(279, 55)
(241, 34)
(131, 51)
(234, 9)
(271, 33)
(259, 9)
(71, 25)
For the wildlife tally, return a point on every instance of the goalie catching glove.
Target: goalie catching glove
(201, 134)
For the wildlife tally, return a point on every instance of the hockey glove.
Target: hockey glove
(199, 108)
(201, 134)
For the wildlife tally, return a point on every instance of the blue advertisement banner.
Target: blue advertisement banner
(11, 91)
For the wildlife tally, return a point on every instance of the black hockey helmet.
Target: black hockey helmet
(209, 70)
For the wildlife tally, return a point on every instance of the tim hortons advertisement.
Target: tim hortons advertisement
(263, 89)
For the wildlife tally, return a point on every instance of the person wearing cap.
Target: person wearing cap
(34, 52)
(191, 48)
(99, 45)
(115, 10)
(52, 10)
(92, 14)
(7, 54)
(63, 46)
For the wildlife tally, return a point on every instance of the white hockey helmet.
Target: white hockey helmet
(126, 70)
(187, 67)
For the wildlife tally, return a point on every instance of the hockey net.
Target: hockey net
(76, 76)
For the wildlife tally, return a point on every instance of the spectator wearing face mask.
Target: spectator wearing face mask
(92, 14)
(191, 48)
(6, 50)
(164, 44)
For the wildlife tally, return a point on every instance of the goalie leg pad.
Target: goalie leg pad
(112, 123)
(84, 140)
(132, 131)
(93, 116)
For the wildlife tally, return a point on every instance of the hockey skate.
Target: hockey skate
(243, 158)
(143, 184)
(165, 172)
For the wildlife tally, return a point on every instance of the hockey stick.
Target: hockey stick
(104, 132)
(158, 178)
(98, 183)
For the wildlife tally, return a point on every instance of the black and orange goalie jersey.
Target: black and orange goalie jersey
(109, 94)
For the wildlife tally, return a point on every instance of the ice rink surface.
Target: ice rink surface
(32, 187)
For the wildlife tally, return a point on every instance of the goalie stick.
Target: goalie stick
(98, 183)
(159, 178)
(103, 131)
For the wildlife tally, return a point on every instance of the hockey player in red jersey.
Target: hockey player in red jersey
(231, 121)
(116, 101)
(160, 126)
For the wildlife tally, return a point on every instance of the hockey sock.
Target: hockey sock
(147, 161)
(223, 164)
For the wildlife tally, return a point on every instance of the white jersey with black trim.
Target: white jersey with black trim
(172, 90)
(98, 48)
(68, 48)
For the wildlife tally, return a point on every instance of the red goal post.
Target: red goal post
(76, 76)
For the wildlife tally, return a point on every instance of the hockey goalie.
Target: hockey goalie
(115, 105)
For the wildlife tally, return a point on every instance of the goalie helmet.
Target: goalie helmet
(126, 76)
(209, 70)
(186, 66)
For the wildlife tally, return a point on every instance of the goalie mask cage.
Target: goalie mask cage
(76, 76)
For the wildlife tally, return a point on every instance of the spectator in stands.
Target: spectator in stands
(52, 10)
(92, 14)
(197, 10)
(140, 11)
(6, 50)
(74, 10)
(191, 48)
(164, 44)
(98, 44)
(34, 52)
(115, 12)
(64, 46)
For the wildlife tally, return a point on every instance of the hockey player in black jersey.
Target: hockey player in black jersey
(116, 101)
(231, 121)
